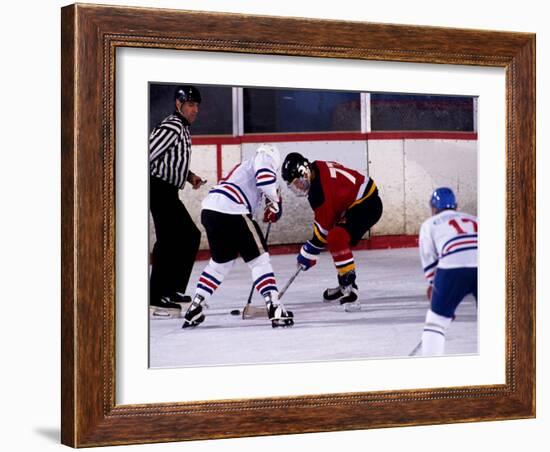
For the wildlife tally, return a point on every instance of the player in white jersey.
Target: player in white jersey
(228, 217)
(448, 251)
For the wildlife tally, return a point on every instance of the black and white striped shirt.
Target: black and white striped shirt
(170, 150)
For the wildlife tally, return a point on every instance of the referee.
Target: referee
(177, 236)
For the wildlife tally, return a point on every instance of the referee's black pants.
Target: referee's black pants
(178, 240)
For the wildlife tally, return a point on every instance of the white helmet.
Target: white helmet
(272, 151)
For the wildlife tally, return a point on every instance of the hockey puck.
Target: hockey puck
(236, 312)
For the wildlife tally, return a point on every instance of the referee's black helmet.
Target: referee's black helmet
(187, 93)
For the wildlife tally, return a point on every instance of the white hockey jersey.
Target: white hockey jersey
(448, 240)
(242, 190)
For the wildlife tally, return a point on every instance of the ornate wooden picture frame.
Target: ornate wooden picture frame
(90, 37)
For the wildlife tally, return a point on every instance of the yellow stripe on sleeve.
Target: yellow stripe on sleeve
(318, 234)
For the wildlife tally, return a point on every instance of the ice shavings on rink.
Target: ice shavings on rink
(392, 293)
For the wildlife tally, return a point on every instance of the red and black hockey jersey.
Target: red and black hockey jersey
(334, 190)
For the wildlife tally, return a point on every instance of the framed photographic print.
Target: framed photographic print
(373, 133)
(394, 112)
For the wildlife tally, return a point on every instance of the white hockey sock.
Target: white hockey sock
(433, 337)
(211, 278)
(263, 276)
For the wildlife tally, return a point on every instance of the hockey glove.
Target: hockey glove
(308, 256)
(273, 210)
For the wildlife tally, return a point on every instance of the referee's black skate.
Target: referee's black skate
(164, 308)
(194, 315)
(178, 297)
(279, 316)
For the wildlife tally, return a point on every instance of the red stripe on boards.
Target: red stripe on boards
(378, 242)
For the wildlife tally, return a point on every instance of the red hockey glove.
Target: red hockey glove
(273, 210)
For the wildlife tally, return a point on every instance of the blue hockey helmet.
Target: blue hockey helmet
(443, 198)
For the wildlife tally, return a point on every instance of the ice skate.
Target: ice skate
(346, 296)
(349, 291)
(331, 294)
(185, 301)
(350, 299)
(164, 309)
(194, 315)
(178, 297)
(279, 316)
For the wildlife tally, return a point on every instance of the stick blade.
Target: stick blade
(251, 312)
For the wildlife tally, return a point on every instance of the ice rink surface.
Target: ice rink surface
(392, 291)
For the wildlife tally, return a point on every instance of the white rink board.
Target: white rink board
(405, 171)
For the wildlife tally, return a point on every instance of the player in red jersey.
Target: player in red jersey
(346, 205)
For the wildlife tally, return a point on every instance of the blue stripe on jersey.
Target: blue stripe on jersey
(266, 182)
(229, 195)
(459, 250)
(262, 180)
(459, 237)
(265, 170)
(236, 187)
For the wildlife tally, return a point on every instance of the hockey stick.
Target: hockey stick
(247, 306)
(255, 312)
(415, 349)
(290, 281)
